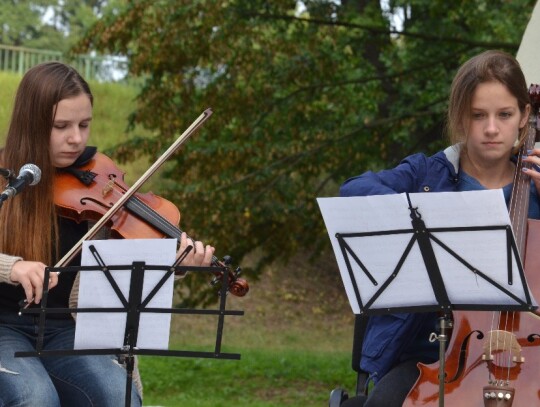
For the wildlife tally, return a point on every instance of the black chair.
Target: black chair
(338, 396)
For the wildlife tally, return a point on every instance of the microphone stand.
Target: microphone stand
(8, 175)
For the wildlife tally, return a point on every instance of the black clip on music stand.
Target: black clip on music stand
(133, 307)
(424, 237)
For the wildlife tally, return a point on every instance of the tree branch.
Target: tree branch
(380, 77)
(385, 31)
(292, 160)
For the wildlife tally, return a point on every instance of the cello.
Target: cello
(493, 359)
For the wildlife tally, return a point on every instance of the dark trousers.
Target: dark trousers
(391, 390)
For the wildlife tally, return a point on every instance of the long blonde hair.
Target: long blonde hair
(29, 223)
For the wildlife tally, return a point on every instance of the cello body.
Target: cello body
(514, 366)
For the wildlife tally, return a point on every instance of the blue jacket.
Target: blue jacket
(416, 173)
(388, 337)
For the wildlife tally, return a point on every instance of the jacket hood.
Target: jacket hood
(452, 154)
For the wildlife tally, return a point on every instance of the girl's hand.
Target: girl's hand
(200, 255)
(30, 275)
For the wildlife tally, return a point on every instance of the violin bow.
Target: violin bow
(135, 187)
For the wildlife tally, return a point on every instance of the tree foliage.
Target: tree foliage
(304, 94)
(49, 24)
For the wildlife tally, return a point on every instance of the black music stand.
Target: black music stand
(133, 306)
(429, 247)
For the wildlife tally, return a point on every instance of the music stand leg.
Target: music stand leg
(130, 367)
(446, 325)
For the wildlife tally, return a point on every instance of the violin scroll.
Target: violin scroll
(236, 286)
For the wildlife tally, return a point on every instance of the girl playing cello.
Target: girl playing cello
(487, 120)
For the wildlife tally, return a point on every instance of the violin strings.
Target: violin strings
(158, 221)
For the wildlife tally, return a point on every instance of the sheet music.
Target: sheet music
(486, 250)
(106, 330)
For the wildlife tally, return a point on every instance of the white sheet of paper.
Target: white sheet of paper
(106, 330)
(485, 250)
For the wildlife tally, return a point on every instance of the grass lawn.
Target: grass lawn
(294, 341)
(262, 378)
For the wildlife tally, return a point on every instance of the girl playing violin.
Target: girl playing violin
(487, 119)
(50, 127)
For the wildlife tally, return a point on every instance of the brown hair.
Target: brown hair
(29, 225)
(489, 66)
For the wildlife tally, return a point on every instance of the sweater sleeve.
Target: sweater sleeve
(6, 263)
(403, 178)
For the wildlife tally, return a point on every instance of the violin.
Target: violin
(87, 192)
(493, 359)
(96, 191)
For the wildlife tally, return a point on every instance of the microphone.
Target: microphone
(29, 174)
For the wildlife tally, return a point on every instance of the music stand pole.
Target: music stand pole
(446, 324)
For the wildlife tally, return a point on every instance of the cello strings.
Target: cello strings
(517, 209)
(490, 348)
(517, 212)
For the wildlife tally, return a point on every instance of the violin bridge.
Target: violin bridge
(107, 189)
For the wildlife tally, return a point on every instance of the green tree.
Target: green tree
(49, 24)
(304, 94)
(20, 20)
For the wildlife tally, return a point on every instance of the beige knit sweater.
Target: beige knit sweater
(6, 263)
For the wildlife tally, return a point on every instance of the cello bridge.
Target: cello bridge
(499, 341)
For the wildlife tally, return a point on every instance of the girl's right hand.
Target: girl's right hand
(30, 275)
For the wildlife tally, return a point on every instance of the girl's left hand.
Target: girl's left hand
(533, 157)
(200, 255)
